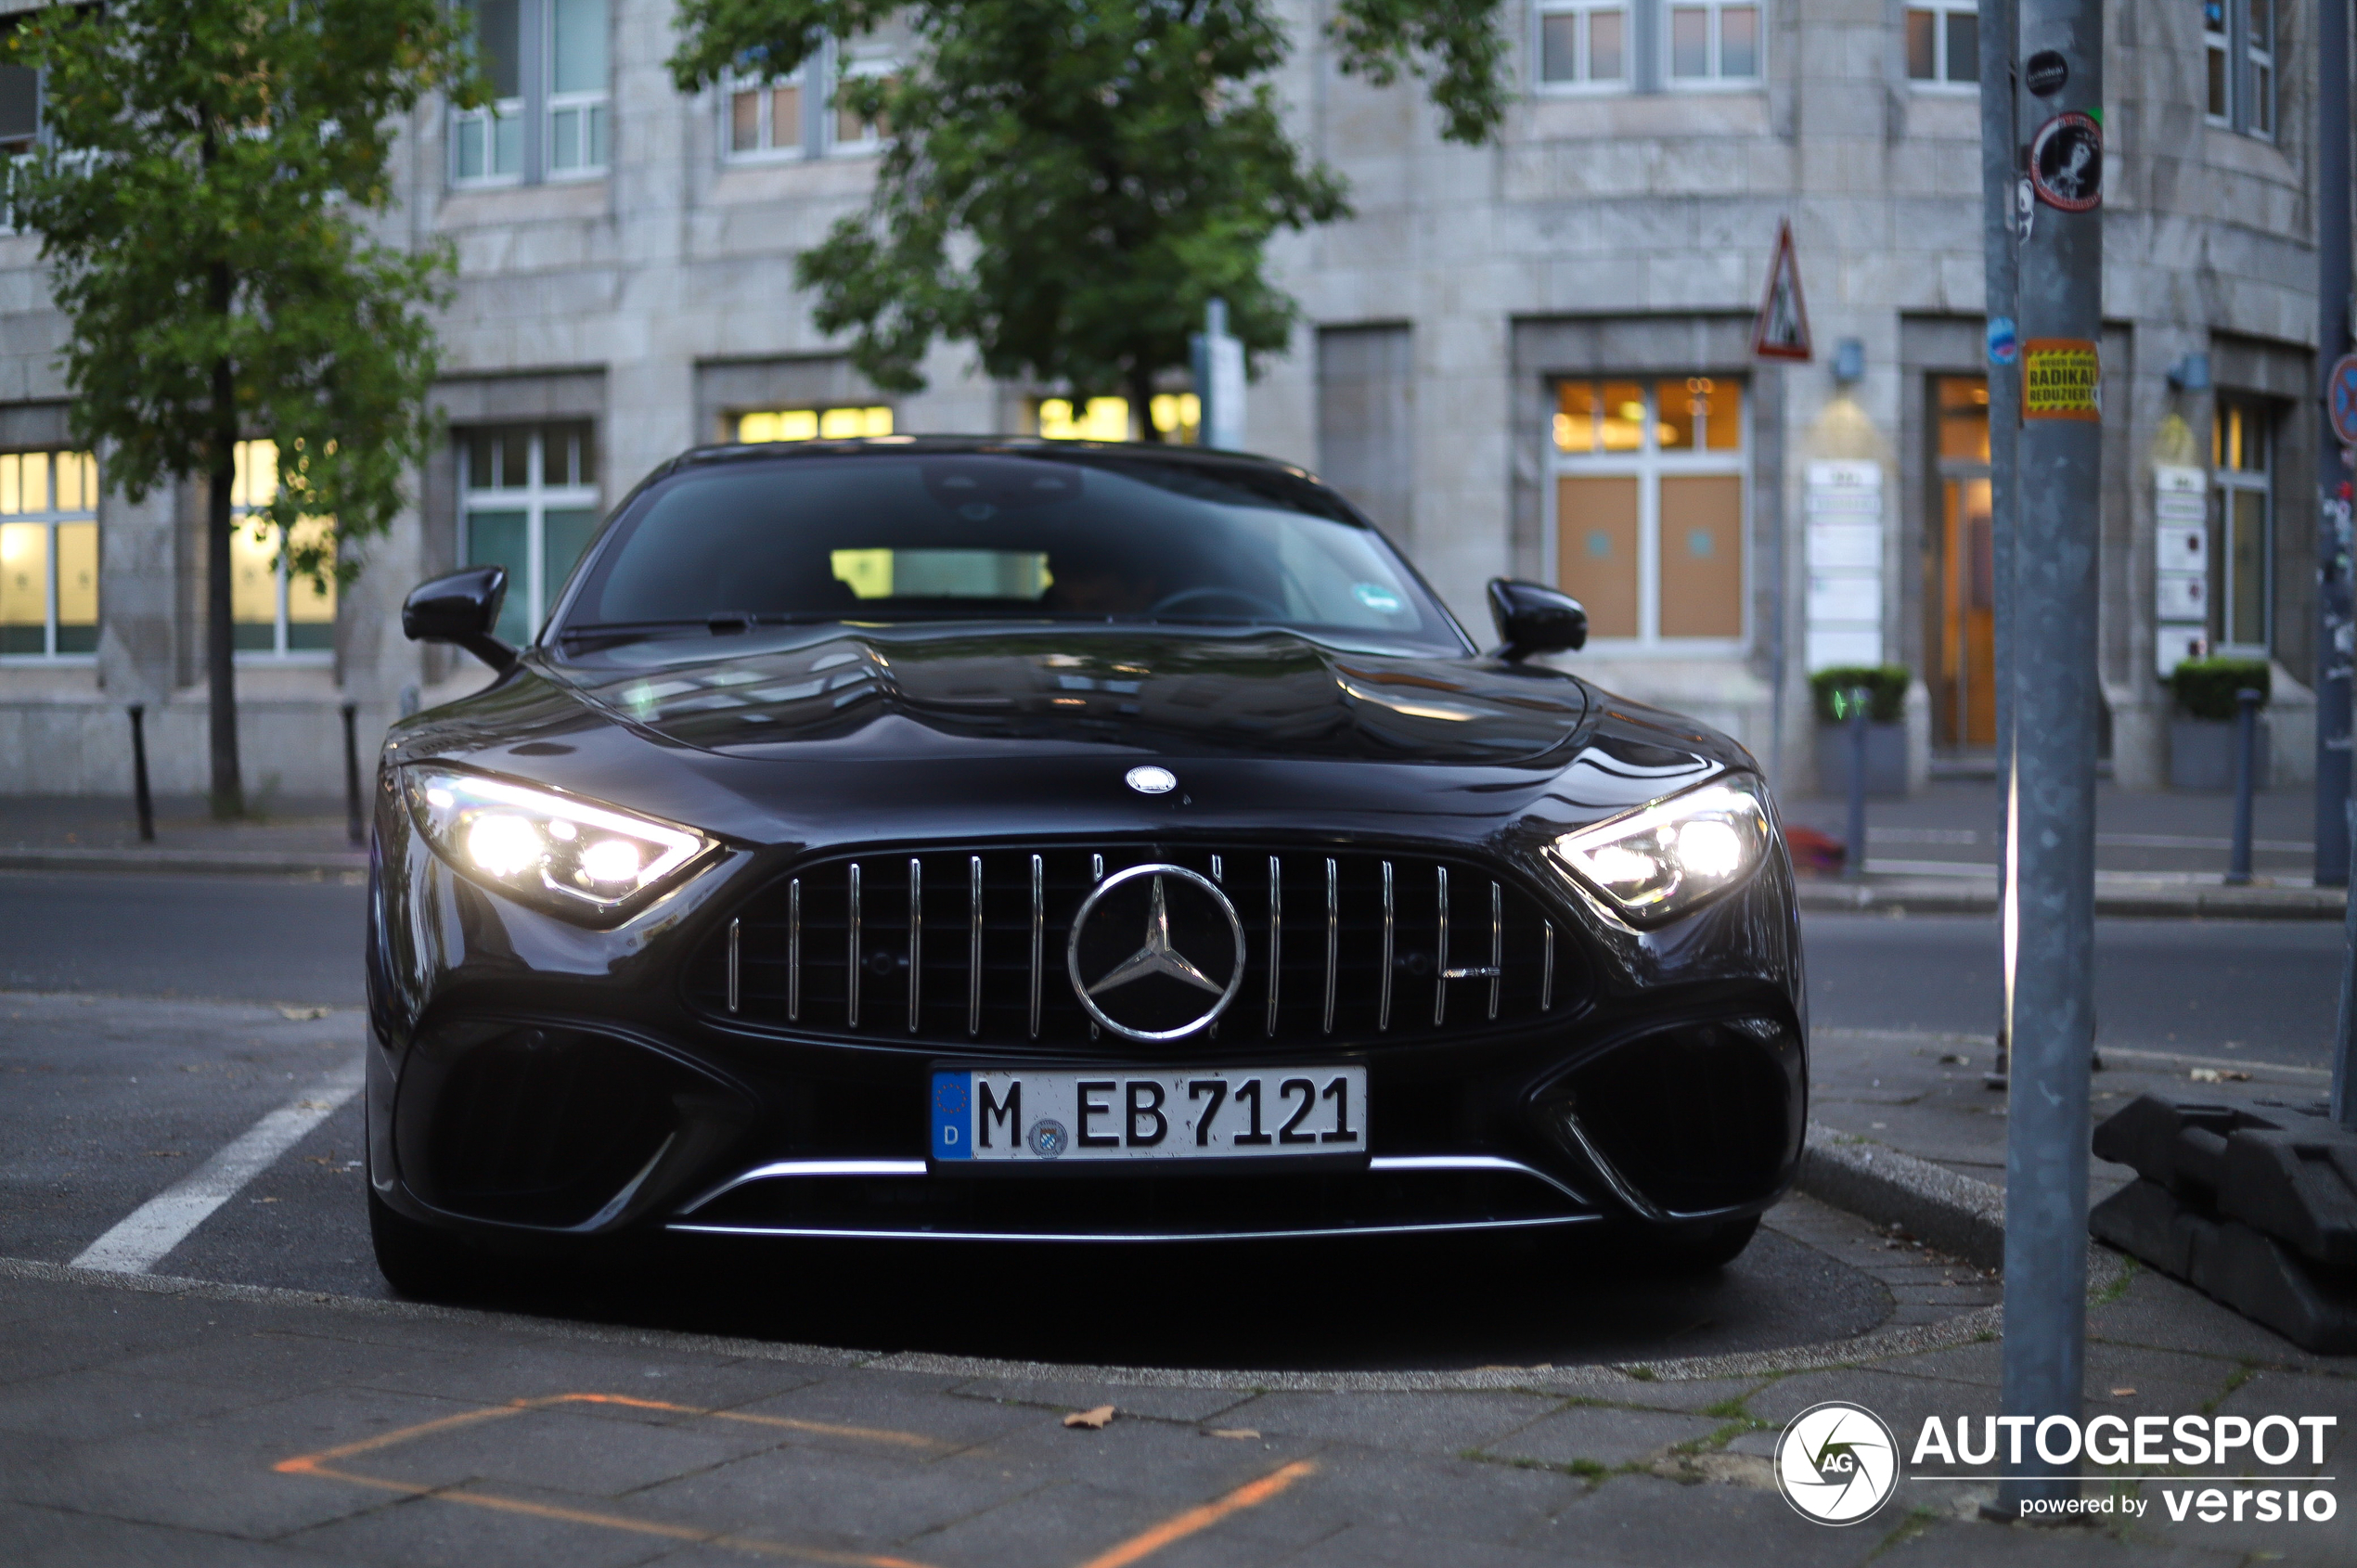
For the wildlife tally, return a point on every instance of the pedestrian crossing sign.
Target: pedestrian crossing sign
(1782, 332)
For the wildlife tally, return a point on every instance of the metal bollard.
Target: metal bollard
(1853, 864)
(2246, 774)
(147, 802)
(352, 829)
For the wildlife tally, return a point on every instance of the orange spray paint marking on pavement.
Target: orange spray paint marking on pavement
(1252, 1493)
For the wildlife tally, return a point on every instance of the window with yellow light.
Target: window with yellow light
(814, 424)
(49, 554)
(272, 610)
(1176, 416)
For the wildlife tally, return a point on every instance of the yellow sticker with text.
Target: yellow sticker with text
(2060, 380)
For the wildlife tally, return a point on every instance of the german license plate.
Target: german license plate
(1213, 1113)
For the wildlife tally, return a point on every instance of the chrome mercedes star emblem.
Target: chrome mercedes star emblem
(1159, 957)
(1151, 781)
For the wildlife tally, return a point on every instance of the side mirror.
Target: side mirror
(461, 608)
(1534, 618)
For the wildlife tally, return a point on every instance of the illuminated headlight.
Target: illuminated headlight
(570, 856)
(1654, 865)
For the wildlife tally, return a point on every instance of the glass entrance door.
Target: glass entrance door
(1961, 590)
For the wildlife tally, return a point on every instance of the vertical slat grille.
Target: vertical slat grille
(807, 952)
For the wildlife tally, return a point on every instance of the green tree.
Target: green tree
(203, 205)
(1071, 181)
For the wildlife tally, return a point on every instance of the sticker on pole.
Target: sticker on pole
(2340, 398)
(2061, 378)
(2004, 345)
(1782, 330)
(2067, 162)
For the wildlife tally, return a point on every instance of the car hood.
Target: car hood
(1257, 694)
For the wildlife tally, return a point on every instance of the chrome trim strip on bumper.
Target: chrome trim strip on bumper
(826, 1233)
(1380, 1164)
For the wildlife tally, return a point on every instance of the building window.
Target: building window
(547, 64)
(1178, 419)
(1649, 507)
(529, 495)
(1959, 580)
(579, 106)
(2242, 586)
(771, 119)
(814, 424)
(1582, 42)
(1943, 42)
(49, 554)
(273, 613)
(765, 118)
(2239, 40)
(1713, 43)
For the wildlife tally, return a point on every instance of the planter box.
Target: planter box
(2201, 754)
(1886, 760)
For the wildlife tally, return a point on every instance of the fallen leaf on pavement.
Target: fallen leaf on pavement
(2218, 1075)
(302, 1015)
(1233, 1431)
(1093, 1419)
(2123, 1393)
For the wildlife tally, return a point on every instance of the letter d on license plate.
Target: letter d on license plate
(1221, 1113)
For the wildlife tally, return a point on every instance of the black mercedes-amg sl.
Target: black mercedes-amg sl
(995, 840)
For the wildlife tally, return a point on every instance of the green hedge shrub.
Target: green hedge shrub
(1830, 691)
(2206, 687)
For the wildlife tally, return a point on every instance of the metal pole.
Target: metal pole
(147, 803)
(2246, 767)
(1854, 862)
(2345, 1042)
(352, 829)
(2334, 626)
(2055, 717)
(2000, 168)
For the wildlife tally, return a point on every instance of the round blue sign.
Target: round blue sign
(2340, 398)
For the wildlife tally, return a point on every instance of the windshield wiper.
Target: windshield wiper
(719, 623)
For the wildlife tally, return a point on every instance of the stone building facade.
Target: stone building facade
(1531, 358)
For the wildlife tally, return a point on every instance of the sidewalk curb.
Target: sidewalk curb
(1939, 895)
(1955, 1214)
(195, 862)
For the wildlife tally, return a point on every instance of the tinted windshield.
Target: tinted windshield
(969, 537)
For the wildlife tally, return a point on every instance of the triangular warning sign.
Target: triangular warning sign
(1782, 332)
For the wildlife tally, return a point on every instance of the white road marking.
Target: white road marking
(140, 1240)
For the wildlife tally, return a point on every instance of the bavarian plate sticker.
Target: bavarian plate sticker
(2067, 161)
(1067, 1114)
(2060, 380)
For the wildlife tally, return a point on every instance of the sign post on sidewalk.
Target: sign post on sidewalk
(2050, 785)
(1999, 164)
(2333, 610)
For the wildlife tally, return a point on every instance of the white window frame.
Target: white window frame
(533, 114)
(1716, 80)
(1583, 82)
(1941, 80)
(281, 650)
(858, 64)
(2253, 105)
(1649, 465)
(536, 498)
(771, 150)
(49, 519)
(2261, 422)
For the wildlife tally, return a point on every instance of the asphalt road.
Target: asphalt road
(222, 938)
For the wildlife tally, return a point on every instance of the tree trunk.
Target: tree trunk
(220, 666)
(1142, 399)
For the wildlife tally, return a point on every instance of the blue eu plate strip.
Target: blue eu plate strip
(952, 1116)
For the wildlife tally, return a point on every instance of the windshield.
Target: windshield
(969, 537)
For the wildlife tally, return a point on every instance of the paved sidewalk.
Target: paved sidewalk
(2156, 854)
(85, 833)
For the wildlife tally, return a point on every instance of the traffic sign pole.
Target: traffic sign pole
(2333, 600)
(1999, 164)
(2051, 786)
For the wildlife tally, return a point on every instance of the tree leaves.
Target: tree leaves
(1072, 180)
(205, 209)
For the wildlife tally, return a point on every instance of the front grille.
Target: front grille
(968, 948)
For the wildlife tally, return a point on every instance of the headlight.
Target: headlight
(1655, 864)
(570, 856)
